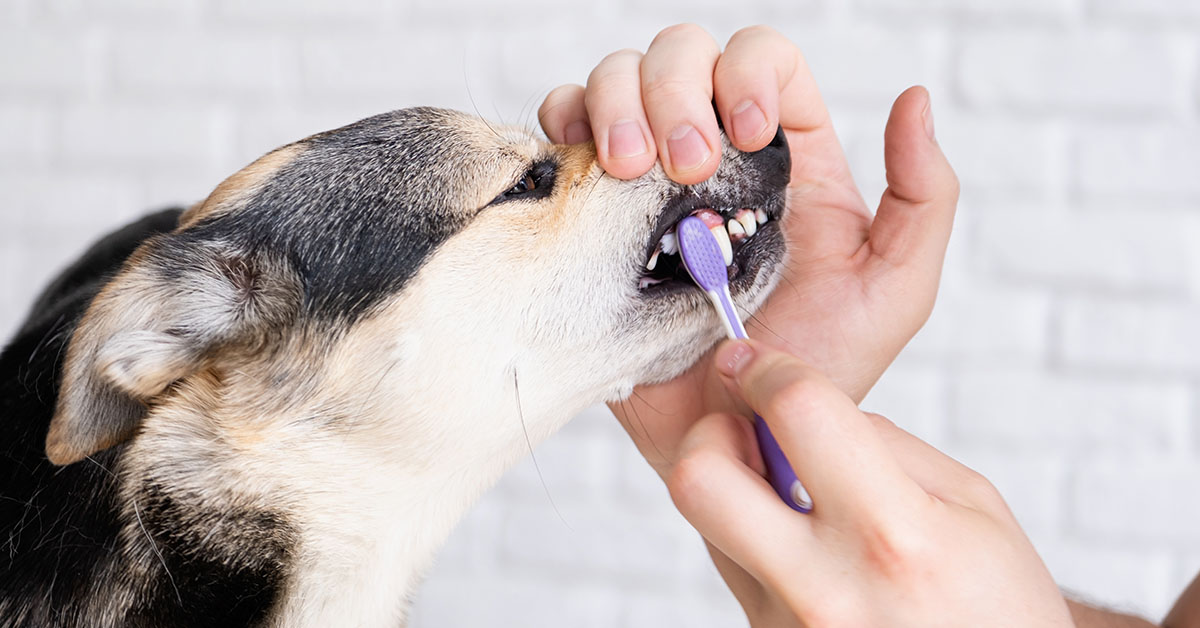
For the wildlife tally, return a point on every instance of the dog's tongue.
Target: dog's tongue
(711, 218)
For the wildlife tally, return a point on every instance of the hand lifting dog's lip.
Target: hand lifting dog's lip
(272, 408)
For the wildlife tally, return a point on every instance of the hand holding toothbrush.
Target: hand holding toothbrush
(902, 535)
(857, 286)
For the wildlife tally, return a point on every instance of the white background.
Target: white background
(1063, 359)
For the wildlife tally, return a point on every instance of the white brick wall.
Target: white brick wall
(1063, 360)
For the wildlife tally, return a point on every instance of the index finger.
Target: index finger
(832, 446)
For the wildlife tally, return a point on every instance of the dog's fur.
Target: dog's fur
(270, 409)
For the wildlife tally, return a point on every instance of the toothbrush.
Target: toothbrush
(705, 262)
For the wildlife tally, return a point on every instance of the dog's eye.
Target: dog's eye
(527, 184)
(534, 184)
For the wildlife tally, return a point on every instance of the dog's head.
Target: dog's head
(410, 265)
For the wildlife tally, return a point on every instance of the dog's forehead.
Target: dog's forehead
(358, 209)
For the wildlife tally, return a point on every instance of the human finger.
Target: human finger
(757, 63)
(563, 115)
(677, 89)
(613, 99)
(727, 501)
(832, 446)
(912, 226)
(935, 472)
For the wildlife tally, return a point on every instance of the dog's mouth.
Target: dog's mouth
(743, 233)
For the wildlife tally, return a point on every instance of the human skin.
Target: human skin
(857, 285)
(899, 534)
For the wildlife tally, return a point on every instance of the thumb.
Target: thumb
(912, 226)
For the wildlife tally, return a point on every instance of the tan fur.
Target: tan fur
(236, 188)
(374, 437)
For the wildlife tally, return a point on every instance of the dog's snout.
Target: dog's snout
(775, 159)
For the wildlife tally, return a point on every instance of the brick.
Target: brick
(263, 129)
(405, 70)
(142, 135)
(1011, 158)
(49, 220)
(885, 63)
(980, 9)
(87, 11)
(657, 610)
(202, 64)
(515, 602)
(912, 397)
(985, 322)
(362, 14)
(1136, 251)
(1138, 501)
(566, 465)
(1117, 578)
(1153, 336)
(1031, 483)
(40, 61)
(1136, 163)
(1025, 411)
(1166, 12)
(618, 544)
(14, 12)
(25, 135)
(1093, 72)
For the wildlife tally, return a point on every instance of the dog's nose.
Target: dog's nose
(774, 159)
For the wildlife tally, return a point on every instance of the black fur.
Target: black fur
(352, 216)
(358, 211)
(60, 526)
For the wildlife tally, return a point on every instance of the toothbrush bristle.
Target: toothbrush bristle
(702, 256)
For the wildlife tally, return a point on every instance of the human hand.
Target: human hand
(855, 288)
(900, 535)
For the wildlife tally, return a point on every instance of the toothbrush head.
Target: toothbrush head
(702, 254)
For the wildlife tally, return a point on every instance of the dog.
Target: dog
(271, 408)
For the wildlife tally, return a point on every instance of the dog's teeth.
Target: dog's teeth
(746, 218)
(653, 260)
(669, 243)
(760, 216)
(646, 282)
(735, 229)
(722, 237)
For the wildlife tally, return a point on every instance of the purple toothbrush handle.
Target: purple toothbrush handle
(779, 470)
(704, 260)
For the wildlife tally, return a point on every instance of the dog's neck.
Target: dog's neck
(370, 497)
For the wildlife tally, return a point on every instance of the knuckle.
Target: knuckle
(756, 31)
(687, 30)
(620, 64)
(797, 398)
(835, 607)
(896, 552)
(688, 477)
(667, 88)
(981, 491)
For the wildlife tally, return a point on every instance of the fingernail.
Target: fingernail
(732, 357)
(748, 122)
(927, 116)
(625, 139)
(577, 132)
(687, 148)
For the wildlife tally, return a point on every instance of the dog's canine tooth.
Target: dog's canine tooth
(760, 216)
(746, 218)
(669, 243)
(735, 229)
(653, 260)
(722, 237)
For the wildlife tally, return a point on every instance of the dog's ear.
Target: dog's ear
(175, 306)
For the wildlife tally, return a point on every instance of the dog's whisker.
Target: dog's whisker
(154, 546)
(529, 444)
